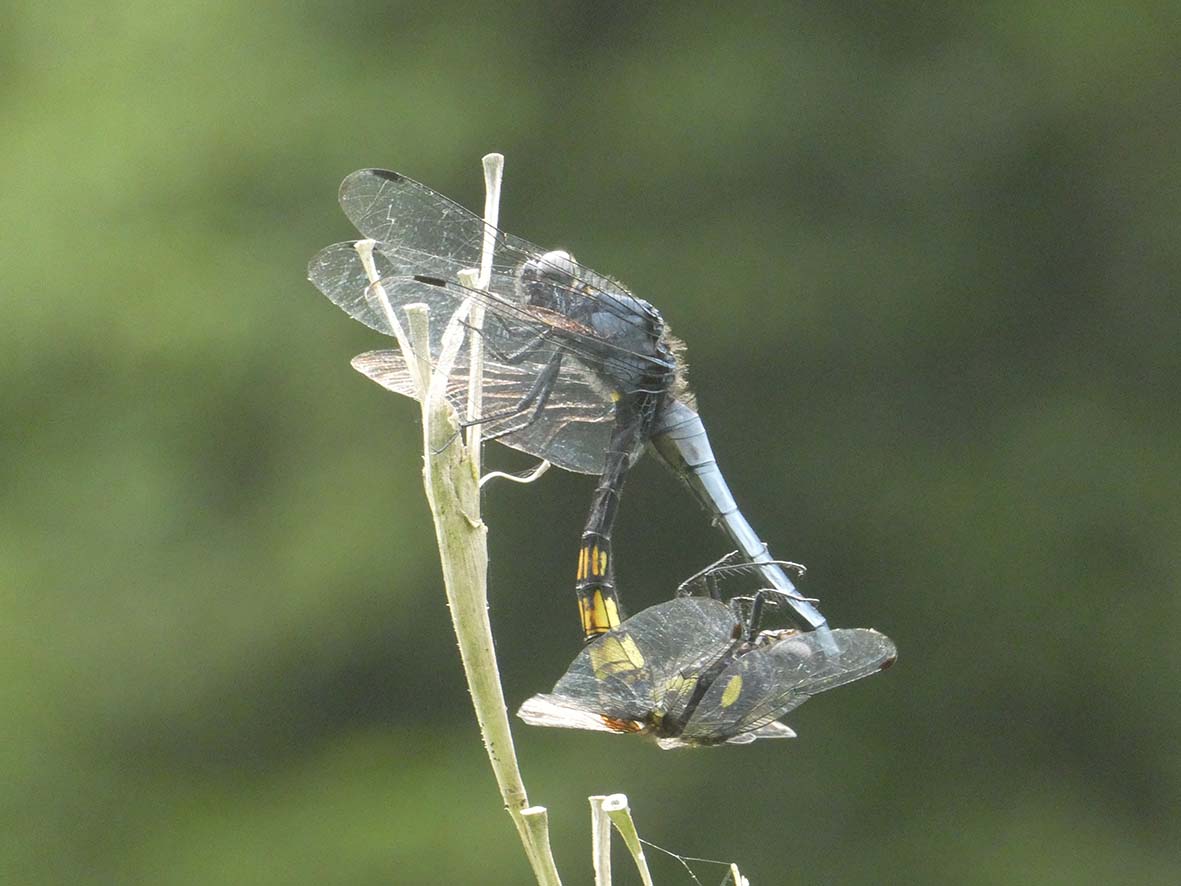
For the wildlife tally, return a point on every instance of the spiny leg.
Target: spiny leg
(533, 401)
(510, 358)
(705, 579)
(708, 580)
(548, 379)
(750, 617)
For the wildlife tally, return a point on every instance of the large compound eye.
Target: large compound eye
(542, 280)
(793, 646)
(557, 265)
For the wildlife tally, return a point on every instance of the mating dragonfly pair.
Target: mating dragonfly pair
(580, 372)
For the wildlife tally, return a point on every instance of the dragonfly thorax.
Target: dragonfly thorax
(623, 335)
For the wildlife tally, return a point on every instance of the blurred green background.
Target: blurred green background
(925, 261)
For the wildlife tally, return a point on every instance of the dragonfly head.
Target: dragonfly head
(545, 281)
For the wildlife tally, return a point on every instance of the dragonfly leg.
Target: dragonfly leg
(532, 402)
(512, 358)
(778, 598)
(708, 580)
(756, 616)
(705, 579)
(547, 381)
(748, 611)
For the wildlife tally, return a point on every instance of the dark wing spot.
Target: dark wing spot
(387, 174)
(430, 281)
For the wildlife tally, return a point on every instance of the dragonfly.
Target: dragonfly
(692, 672)
(575, 369)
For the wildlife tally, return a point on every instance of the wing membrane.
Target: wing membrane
(408, 275)
(646, 663)
(550, 710)
(571, 432)
(764, 684)
(421, 231)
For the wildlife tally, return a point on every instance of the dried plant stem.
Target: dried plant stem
(452, 491)
(613, 810)
(451, 477)
(493, 175)
(600, 841)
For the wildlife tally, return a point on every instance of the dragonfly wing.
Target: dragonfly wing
(337, 272)
(571, 432)
(422, 232)
(562, 713)
(649, 661)
(421, 228)
(766, 683)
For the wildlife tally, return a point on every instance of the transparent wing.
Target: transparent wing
(571, 432)
(766, 683)
(430, 233)
(549, 710)
(337, 272)
(635, 670)
(421, 231)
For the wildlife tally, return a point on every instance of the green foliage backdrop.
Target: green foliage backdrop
(925, 260)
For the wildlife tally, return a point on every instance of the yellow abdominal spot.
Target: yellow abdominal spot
(732, 691)
(600, 615)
